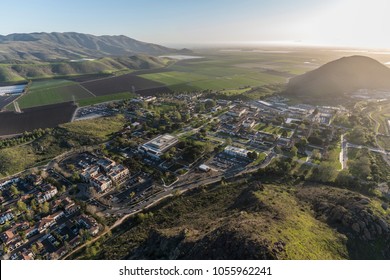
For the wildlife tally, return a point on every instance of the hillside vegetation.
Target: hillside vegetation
(71, 45)
(37, 70)
(241, 220)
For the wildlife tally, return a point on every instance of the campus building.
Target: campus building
(158, 146)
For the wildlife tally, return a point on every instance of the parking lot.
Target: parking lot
(225, 162)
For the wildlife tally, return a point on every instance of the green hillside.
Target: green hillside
(36, 70)
(241, 220)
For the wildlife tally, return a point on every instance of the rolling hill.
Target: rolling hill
(37, 70)
(243, 220)
(340, 77)
(46, 55)
(72, 45)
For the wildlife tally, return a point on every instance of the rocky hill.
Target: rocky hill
(242, 220)
(340, 77)
(72, 45)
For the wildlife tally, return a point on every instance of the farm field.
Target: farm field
(203, 77)
(5, 100)
(120, 84)
(232, 72)
(37, 117)
(52, 92)
(104, 98)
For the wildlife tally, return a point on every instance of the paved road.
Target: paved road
(376, 150)
(343, 152)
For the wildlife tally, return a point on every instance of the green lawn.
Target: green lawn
(272, 129)
(260, 158)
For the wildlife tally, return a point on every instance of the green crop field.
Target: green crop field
(215, 73)
(104, 98)
(51, 92)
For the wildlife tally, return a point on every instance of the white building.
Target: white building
(204, 168)
(236, 152)
(159, 145)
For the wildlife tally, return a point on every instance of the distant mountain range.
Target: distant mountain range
(339, 77)
(47, 55)
(72, 45)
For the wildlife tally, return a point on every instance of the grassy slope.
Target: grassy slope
(382, 115)
(100, 128)
(38, 70)
(264, 217)
(7, 75)
(305, 237)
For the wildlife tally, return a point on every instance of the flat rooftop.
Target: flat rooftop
(161, 143)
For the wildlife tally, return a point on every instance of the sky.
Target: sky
(349, 23)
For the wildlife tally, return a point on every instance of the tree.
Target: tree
(302, 143)
(62, 189)
(325, 172)
(208, 147)
(294, 151)
(34, 249)
(210, 104)
(45, 207)
(344, 178)
(361, 167)
(357, 135)
(200, 108)
(5, 159)
(34, 205)
(71, 167)
(228, 141)
(131, 195)
(22, 207)
(252, 155)
(14, 190)
(315, 154)
(177, 116)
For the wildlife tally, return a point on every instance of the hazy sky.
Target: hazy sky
(359, 23)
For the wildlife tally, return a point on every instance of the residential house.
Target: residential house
(47, 193)
(89, 223)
